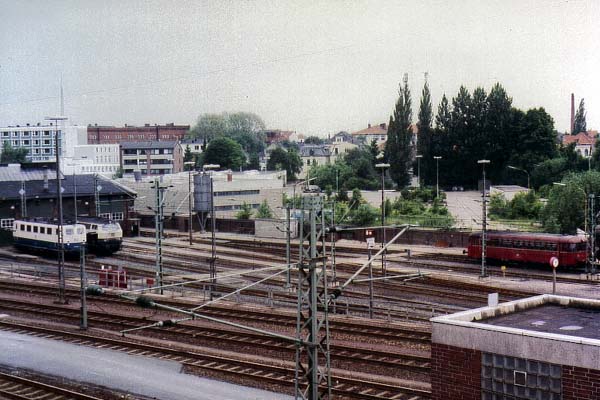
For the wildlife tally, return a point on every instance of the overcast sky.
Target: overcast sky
(313, 67)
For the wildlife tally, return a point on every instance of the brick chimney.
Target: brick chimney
(572, 113)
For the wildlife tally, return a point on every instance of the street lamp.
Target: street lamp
(484, 219)
(382, 166)
(418, 157)
(190, 164)
(437, 175)
(522, 170)
(61, 245)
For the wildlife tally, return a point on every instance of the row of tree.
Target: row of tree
(468, 128)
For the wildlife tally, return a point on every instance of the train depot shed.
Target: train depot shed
(542, 347)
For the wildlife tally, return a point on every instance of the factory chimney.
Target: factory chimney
(572, 113)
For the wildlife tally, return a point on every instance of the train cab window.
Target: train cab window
(42, 229)
(35, 229)
(69, 231)
(28, 228)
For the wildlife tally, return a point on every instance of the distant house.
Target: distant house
(277, 135)
(152, 158)
(585, 142)
(313, 155)
(194, 144)
(375, 132)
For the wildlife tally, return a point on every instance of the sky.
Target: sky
(316, 67)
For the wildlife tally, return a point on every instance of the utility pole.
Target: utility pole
(484, 220)
(97, 189)
(22, 192)
(213, 247)
(75, 194)
(158, 227)
(312, 326)
(83, 323)
(592, 235)
(61, 245)
(190, 165)
(288, 237)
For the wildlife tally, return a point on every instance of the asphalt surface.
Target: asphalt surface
(134, 374)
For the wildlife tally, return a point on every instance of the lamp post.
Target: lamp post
(61, 245)
(418, 157)
(484, 219)
(522, 170)
(190, 163)
(437, 175)
(382, 166)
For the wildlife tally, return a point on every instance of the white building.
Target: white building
(103, 159)
(39, 140)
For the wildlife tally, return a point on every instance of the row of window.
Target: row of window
(34, 142)
(102, 168)
(46, 230)
(533, 245)
(135, 152)
(7, 223)
(27, 133)
(237, 192)
(116, 216)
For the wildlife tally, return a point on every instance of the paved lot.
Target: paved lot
(151, 377)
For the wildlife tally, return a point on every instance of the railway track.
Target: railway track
(223, 336)
(345, 386)
(376, 330)
(19, 388)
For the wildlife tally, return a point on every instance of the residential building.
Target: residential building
(195, 145)
(375, 132)
(585, 142)
(152, 158)
(38, 186)
(111, 134)
(313, 155)
(39, 140)
(277, 135)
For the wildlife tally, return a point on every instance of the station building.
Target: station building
(543, 347)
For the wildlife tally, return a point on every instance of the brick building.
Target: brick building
(543, 347)
(111, 134)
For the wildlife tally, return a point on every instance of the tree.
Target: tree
(208, 127)
(225, 152)
(12, 155)
(285, 159)
(536, 140)
(187, 156)
(398, 146)
(245, 211)
(264, 211)
(313, 140)
(425, 143)
(364, 215)
(580, 124)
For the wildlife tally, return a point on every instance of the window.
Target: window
(104, 215)
(25, 142)
(117, 216)
(26, 134)
(36, 133)
(22, 227)
(7, 223)
(46, 142)
(69, 231)
(43, 229)
(5, 134)
(46, 133)
(28, 228)
(35, 229)
(46, 151)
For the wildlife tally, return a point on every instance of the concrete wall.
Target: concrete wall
(275, 228)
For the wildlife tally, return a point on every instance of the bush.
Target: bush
(364, 215)
(264, 211)
(245, 211)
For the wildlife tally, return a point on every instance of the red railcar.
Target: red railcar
(530, 248)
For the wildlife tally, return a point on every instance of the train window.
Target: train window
(22, 227)
(42, 229)
(69, 231)
(28, 228)
(80, 231)
(35, 229)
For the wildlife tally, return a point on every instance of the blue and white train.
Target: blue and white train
(103, 236)
(42, 235)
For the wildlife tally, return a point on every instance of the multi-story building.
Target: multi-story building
(195, 145)
(375, 132)
(39, 140)
(111, 134)
(152, 158)
(103, 159)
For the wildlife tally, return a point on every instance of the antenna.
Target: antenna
(62, 98)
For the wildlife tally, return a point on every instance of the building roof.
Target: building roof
(14, 172)
(148, 145)
(582, 138)
(314, 151)
(192, 141)
(380, 129)
(83, 184)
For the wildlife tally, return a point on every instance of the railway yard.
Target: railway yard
(384, 357)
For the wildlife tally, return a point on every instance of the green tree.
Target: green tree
(188, 156)
(364, 215)
(285, 159)
(398, 146)
(225, 152)
(580, 124)
(313, 140)
(208, 127)
(264, 211)
(425, 144)
(245, 211)
(12, 155)
(119, 173)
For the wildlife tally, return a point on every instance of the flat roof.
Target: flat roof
(576, 320)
